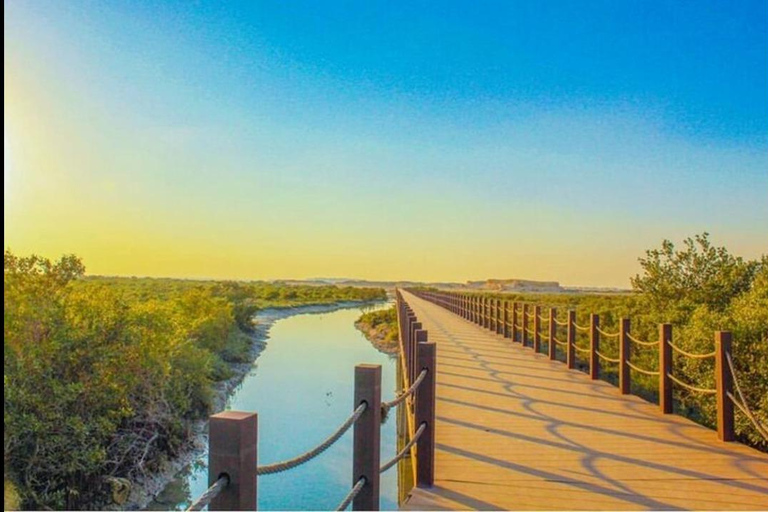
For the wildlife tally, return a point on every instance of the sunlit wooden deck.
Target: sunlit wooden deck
(515, 430)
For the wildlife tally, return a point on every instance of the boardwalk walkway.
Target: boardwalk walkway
(517, 431)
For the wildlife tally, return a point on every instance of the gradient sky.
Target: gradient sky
(383, 140)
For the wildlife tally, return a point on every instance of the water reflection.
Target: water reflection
(302, 388)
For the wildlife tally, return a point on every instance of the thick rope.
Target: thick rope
(608, 334)
(606, 358)
(559, 342)
(580, 350)
(743, 405)
(311, 454)
(352, 494)
(688, 354)
(580, 328)
(646, 372)
(207, 497)
(405, 449)
(641, 342)
(386, 406)
(690, 387)
(558, 322)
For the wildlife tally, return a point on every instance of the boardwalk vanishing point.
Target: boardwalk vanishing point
(517, 431)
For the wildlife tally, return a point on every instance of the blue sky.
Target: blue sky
(552, 140)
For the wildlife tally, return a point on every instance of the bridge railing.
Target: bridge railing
(524, 323)
(233, 469)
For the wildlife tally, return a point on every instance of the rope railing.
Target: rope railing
(641, 342)
(743, 407)
(397, 458)
(606, 358)
(642, 370)
(279, 467)
(608, 334)
(207, 497)
(689, 354)
(386, 406)
(724, 375)
(580, 350)
(352, 494)
(690, 387)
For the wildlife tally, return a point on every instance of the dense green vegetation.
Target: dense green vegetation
(103, 377)
(380, 327)
(698, 289)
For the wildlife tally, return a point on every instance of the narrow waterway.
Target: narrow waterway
(302, 388)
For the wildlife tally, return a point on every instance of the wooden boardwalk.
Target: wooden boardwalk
(515, 430)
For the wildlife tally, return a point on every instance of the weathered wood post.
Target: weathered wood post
(665, 368)
(536, 329)
(525, 324)
(486, 312)
(552, 346)
(409, 362)
(425, 413)
(724, 386)
(493, 315)
(367, 435)
(514, 321)
(233, 449)
(594, 346)
(624, 355)
(570, 355)
(505, 319)
(499, 316)
(416, 327)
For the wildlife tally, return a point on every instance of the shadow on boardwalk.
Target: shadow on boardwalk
(518, 431)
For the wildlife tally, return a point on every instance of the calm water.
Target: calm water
(302, 387)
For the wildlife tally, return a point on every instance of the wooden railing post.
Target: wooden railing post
(506, 319)
(233, 449)
(570, 355)
(410, 319)
(594, 346)
(492, 312)
(525, 325)
(536, 329)
(514, 321)
(665, 368)
(624, 355)
(500, 317)
(425, 413)
(724, 385)
(415, 327)
(486, 312)
(367, 436)
(552, 347)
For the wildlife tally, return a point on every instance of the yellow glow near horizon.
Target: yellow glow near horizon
(143, 173)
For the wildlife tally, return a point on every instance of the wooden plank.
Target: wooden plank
(516, 430)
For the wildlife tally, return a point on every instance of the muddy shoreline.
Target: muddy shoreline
(377, 338)
(146, 489)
